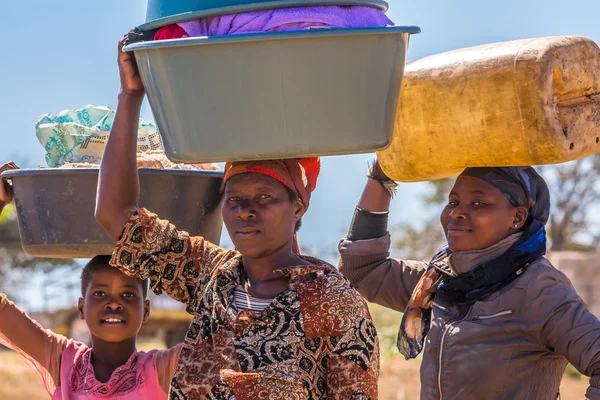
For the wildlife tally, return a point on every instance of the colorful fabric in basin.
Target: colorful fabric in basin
(79, 136)
(279, 20)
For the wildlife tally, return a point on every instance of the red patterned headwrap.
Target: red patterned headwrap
(298, 174)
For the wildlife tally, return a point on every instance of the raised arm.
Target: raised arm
(118, 184)
(174, 262)
(147, 247)
(41, 348)
(365, 251)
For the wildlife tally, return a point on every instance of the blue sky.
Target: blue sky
(61, 54)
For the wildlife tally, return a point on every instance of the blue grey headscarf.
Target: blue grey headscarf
(522, 186)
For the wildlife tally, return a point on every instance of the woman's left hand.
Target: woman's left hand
(378, 191)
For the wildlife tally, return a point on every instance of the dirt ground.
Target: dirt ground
(399, 381)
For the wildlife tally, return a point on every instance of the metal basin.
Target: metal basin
(163, 12)
(55, 207)
(275, 95)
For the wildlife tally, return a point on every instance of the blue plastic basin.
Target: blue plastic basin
(164, 12)
(275, 95)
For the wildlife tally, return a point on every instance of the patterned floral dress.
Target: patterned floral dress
(315, 341)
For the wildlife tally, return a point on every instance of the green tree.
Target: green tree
(575, 192)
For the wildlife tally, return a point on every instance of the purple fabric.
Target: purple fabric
(288, 19)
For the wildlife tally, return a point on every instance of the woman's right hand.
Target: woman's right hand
(376, 196)
(6, 190)
(376, 173)
(131, 82)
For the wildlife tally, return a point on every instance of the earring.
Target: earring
(516, 226)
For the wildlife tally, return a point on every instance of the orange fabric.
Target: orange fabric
(298, 174)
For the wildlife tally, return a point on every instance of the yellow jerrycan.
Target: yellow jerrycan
(524, 102)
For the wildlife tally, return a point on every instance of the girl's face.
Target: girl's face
(114, 307)
(478, 215)
(259, 215)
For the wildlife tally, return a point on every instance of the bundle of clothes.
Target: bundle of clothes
(76, 139)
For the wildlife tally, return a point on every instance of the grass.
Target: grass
(387, 322)
(18, 381)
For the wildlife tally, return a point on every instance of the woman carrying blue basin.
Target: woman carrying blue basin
(268, 322)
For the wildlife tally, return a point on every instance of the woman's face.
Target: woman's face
(478, 215)
(259, 215)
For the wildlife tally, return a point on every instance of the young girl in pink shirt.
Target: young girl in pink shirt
(114, 307)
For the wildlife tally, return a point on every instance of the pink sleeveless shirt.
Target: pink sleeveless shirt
(65, 367)
(136, 379)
